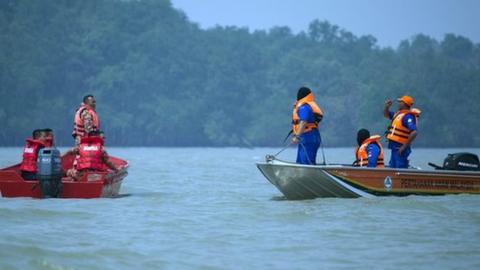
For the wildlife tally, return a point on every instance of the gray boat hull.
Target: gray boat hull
(300, 182)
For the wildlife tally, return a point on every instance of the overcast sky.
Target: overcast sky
(390, 21)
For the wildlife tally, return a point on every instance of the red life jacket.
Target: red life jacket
(79, 125)
(30, 154)
(90, 154)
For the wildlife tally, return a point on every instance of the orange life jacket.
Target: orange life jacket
(30, 155)
(397, 132)
(90, 154)
(361, 152)
(79, 125)
(309, 99)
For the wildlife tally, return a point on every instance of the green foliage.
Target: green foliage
(160, 80)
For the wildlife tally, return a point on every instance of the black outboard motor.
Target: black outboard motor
(459, 162)
(49, 174)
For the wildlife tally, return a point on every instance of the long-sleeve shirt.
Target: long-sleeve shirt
(373, 152)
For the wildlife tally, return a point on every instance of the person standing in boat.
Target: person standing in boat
(28, 167)
(86, 119)
(402, 130)
(306, 117)
(369, 152)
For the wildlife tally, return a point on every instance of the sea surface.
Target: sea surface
(210, 208)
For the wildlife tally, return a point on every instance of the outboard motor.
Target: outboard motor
(49, 174)
(459, 162)
(462, 162)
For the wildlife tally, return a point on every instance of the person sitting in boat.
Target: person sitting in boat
(86, 119)
(90, 156)
(402, 130)
(306, 117)
(369, 152)
(49, 137)
(33, 145)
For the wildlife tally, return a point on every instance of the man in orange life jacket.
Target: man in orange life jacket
(402, 130)
(86, 119)
(305, 119)
(369, 152)
(30, 154)
(91, 156)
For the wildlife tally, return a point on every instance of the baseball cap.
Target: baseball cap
(407, 100)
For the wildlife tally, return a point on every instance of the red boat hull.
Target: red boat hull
(90, 185)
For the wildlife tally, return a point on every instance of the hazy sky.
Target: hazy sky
(390, 21)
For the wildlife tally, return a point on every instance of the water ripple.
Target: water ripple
(194, 208)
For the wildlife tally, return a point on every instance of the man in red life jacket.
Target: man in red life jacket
(86, 119)
(91, 156)
(49, 137)
(28, 166)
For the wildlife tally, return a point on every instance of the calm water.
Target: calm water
(207, 208)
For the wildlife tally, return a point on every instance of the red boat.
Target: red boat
(90, 185)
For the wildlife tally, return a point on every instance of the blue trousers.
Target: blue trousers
(308, 147)
(399, 160)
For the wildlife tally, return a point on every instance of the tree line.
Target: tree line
(161, 80)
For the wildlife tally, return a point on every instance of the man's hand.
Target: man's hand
(295, 139)
(411, 138)
(386, 108)
(402, 149)
(388, 103)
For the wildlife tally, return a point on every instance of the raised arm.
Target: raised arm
(386, 108)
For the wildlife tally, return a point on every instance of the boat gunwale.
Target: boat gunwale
(350, 167)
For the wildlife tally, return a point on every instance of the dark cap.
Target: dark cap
(303, 92)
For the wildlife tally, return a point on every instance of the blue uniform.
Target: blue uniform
(398, 160)
(309, 141)
(373, 151)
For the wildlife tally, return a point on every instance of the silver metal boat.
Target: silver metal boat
(300, 182)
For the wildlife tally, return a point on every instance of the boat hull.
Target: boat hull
(298, 182)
